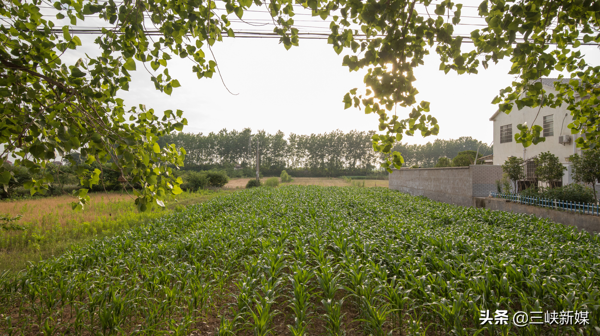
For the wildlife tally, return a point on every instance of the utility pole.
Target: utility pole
(257, 161)
(257, 158)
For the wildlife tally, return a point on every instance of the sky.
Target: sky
(301, 90)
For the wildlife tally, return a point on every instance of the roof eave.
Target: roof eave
(495, 115)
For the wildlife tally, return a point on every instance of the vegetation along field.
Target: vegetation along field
(318, 181)
(312, 260)
(50, 225)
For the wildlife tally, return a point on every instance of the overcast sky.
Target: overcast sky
(301, 90)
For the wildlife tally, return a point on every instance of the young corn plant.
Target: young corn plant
(300, 278)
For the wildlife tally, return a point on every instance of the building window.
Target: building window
(548, 125)
(506, 133)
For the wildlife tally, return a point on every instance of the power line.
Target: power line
(263, 34)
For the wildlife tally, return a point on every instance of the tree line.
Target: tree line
(329, 154)
(427, 155)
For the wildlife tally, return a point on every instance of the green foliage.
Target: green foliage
(360, 184)
(320, 155)
(573, 193)
(503, 185)
(586, 169)
(50, 105)
(465, 158)
(194, 181)
(285, 178)
(216, 179)
(513, 168)
(108, 178)
(253, 183)
(548, 168)
(19, 176)
(312, 250)
(443, 162)
(272, 182)
(7, 222)
(427, 155)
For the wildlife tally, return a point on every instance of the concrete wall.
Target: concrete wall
(584, 222)
(454, 185)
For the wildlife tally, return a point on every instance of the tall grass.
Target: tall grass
(51, 226)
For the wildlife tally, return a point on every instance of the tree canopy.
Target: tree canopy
(50, 107)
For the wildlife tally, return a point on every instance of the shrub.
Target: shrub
(503, 185)
(193, 181)
(253, 183)
(285, 177)
(570, 193)
(272, 182)
(216, 178)
(464, 158)
(585, 169)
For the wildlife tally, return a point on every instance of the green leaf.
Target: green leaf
(37, 150)
(156, 148)
(129, 64)
(5, 177)
(175, 83)
(66, 34)
(75, 72)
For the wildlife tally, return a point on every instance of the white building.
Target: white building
(559, 140)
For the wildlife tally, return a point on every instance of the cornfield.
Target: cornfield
(312, 261)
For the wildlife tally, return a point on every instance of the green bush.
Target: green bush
(464, 158)
(571, 193)
(272, 182)
(216, 178)
(194, 181)
(253, 183)
(285, 177)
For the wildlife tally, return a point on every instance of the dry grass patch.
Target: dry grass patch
(51, 226)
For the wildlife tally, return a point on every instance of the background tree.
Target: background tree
(513, 168)
(465, 158)
(549, 169)
(428, 154)
(443, 162)
(586, 168)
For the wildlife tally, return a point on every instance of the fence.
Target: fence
(582, 208)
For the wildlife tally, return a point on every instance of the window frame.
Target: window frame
(548, 126)
(506, 135)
